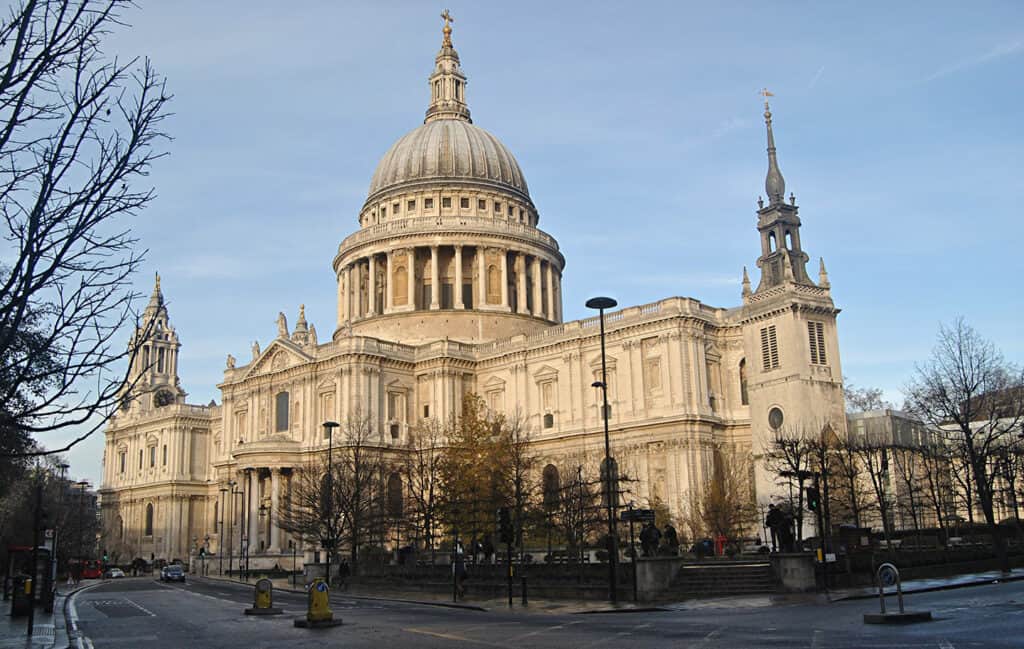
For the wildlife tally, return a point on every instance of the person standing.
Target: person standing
(774, 521)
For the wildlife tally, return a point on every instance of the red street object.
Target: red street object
(720, 545)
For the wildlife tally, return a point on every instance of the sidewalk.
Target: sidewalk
(929, 585)
(49, 629)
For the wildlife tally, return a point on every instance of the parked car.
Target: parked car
(115, 573)
(173, 572)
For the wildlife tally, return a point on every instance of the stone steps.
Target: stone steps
(725, 578)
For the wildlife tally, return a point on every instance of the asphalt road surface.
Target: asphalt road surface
(145, 614)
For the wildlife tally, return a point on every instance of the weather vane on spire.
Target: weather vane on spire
(764, 92)
(448, 20)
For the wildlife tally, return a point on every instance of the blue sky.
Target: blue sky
(639, 130)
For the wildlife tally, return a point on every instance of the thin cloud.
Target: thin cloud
(994, 54)
(814, 79)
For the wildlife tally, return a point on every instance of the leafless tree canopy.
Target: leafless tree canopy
(969, 393)
(78, 132)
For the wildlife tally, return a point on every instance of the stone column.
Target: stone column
(342, 311)
(354, 282)
(551, 293)
(371, 287)
(252, 501)
(481, 264)
(275, 487)
(520, 266)
(503, 254)
(435, 287)
(410, 285)
(538, 307)
(458, 278)
(389, 284)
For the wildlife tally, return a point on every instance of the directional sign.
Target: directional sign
(637, 515)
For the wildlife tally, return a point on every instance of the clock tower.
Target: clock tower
(153, 381)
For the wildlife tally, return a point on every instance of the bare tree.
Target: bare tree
(78, 132)
(789, 456)
(909, 472)
(848, 493)
(727, 506)
(522, 462)
(422, 468)
(873, 455)
(938, 488)
(361, 461)
(310, 512)
(976, 399)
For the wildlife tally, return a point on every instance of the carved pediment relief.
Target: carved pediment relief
(279, 355)
(595, 362)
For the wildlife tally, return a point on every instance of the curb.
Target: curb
(467, 607)
(72, 636)
(931, 589)
(639, 609)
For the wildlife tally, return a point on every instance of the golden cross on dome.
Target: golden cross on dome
(764, 92)
(448, 20)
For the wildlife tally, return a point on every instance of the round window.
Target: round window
(775, 418)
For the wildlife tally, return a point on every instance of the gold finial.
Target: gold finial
(764, 92)
(448, 20)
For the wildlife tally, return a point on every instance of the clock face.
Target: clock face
(163, 398)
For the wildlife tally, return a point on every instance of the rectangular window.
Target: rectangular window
(497, 208)
(383, 212)
(769, 348)
(464, 203)
(160, 360)
(281, 412)
(446, 202)
(140, 458)
(152, 456)
(394, 208)
(392, 405)
(165, 454)
(124, 460)
(428, 203)
(467, 296)
(481, 205)
(816, 340)
(511, 211)
(426, 411)
(447, 296)
(410, 206)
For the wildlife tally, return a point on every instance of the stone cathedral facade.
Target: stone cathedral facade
(449, 286)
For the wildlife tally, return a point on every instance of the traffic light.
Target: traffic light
(813, 499)
(505, 525)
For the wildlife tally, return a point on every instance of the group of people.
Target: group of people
(651, 539)
(779, 522)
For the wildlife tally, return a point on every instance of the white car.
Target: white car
(115, 573)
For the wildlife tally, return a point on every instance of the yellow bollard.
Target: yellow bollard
(28, 586)
(319, 613)
(264, 600)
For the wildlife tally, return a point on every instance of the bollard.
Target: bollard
(264, 599)
(319, 613)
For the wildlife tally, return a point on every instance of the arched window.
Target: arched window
(149, 519)
(401, 293)
(771, 242)
(395, 500)
(744, 399)
(552, 487)
(281, 412)
(789, 240)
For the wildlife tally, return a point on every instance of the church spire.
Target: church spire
(447, 82)
(774, 183)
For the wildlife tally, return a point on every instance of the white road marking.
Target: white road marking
(545, 630)
(708, 638)
(816, 638)
(946, 644)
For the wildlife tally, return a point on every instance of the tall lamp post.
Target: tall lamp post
(234, 492)
(82, 486)
(602, 303)
(328, 499)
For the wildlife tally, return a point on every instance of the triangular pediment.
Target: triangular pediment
(595, 361)
(279, 355)
(545, 372)
(494, 383)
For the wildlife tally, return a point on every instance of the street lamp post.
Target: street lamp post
(328, 499)
(602, 303)
(220, 538)
(82, 486)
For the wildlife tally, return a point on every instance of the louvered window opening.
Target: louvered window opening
(816, 340)
(769, 348)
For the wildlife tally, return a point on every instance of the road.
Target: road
(146, 614)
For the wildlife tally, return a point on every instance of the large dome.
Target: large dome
(448, 150)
